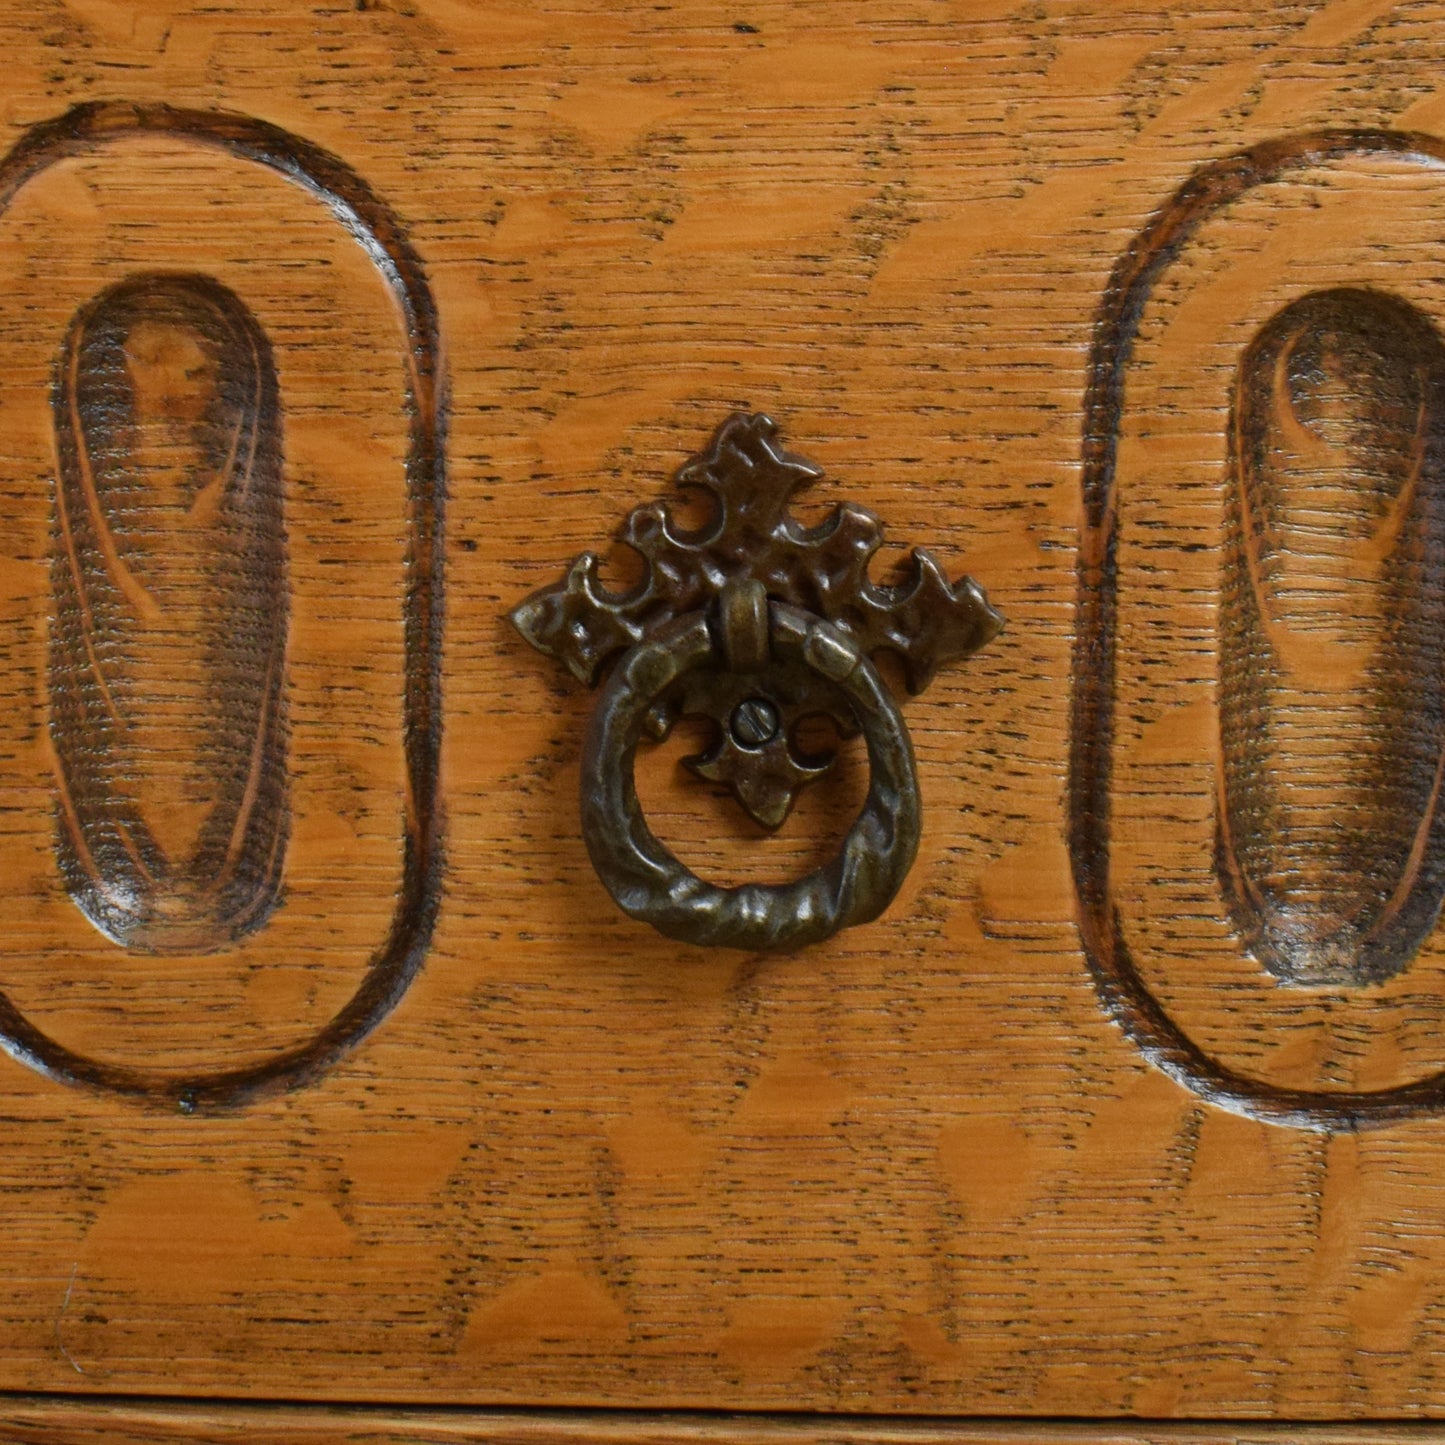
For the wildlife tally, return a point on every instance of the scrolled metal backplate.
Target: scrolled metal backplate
(756, 622)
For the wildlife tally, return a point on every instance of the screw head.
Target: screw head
(754, 723)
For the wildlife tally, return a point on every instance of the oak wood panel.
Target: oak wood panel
(917, 1168)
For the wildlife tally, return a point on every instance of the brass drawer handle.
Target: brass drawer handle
(648, 881)
(755, 622)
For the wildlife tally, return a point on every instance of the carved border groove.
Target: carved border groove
(1121, 985)
(376, 227)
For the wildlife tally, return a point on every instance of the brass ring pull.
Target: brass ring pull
(650, 883)
(756, 622)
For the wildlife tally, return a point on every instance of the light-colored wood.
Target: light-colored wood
(918, 1168)
(55, 1422)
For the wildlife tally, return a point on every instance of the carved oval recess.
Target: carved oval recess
(162, 376)
(1332, 640)
(168, 634)
(1309, 565)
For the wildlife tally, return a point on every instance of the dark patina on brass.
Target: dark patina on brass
(755, 622)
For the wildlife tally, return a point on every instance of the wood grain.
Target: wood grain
(921, 1167)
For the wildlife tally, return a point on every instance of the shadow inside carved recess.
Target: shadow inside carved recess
(168, 632)
(1331, 841)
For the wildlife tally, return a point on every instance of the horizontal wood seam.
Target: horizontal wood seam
(593, 1422)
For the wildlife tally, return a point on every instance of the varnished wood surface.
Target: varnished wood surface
(983, 1156)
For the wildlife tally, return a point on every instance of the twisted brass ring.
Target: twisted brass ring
(650, 883)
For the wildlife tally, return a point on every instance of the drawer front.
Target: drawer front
(330, 334)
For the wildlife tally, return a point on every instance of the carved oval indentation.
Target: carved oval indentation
(1258, 690)
(1332, 639)
(168, 636)
(174, 825)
